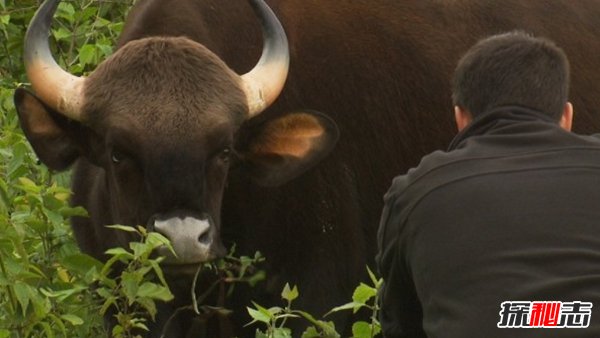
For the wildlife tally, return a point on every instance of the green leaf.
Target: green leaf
(376, 281)
(158, 271)
(88, 13)
(156, 240)
(110, 301)
(154, 291)
(140, 325)
(105, 50)
(282, 332)
(105, 293)
(41, 306)
(62, 295)
(29, 186)
(130, 284)
(140, 249)
(55, 218)
(275, 310)
(16, 164)
(361, 330)
(260, 334)
(258, 316)
(308, 317)
(49, 333)
(126, 228)
(143, 270)
(352, 305)
(76, 211)
(100, 22)
(149, 305)
(106, 268)
(66, 11)
(376, 328)
(289, 294)
(4, 333)
(63, 275)
(5, 19)
(58, 323)
(62, 33)
(117, 27)
(268, 312)
(287, 315)
(363, 293)
(81, 263)
(87, 54)
(311, 332)
(37, 272)
(119, 252)
(328, 328)
(117, 331)
(73, 319)
(23, 293)
(257, 277)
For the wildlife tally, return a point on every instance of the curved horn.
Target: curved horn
(265, 81)
(54, 86)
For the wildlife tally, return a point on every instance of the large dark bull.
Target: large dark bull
(166, 133)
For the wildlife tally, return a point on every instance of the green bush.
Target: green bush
(44, 279)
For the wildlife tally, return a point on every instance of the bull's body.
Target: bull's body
(381, 71)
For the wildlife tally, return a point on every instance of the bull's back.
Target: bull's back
(381, 68)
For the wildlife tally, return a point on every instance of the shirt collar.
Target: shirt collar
(498, 118)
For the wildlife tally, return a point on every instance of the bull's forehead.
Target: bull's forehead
(155, 139)
(163, 116)
(164, 85)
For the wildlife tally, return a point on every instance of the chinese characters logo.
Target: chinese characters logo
(545, 314)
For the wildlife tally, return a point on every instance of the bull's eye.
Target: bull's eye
(117, 156)
(225, 154)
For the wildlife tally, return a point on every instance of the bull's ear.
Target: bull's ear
(49, 133)
(281, 149)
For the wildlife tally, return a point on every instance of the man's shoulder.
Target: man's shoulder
(594, 138)
(437, 162)
(439, 166)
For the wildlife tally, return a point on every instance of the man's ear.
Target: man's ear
(282, 148)
(566, 120)
(56, 140)
(462, 117)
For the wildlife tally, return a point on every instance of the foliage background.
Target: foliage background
(44, 280)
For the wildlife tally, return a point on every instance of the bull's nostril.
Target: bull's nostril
(204, 238)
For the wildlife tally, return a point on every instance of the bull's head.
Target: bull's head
(158, 120)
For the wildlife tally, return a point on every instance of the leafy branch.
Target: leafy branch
(275, 318)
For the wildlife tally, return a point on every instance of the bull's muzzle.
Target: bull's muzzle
(194, 240)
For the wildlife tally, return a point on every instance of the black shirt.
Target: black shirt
(510, 213)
